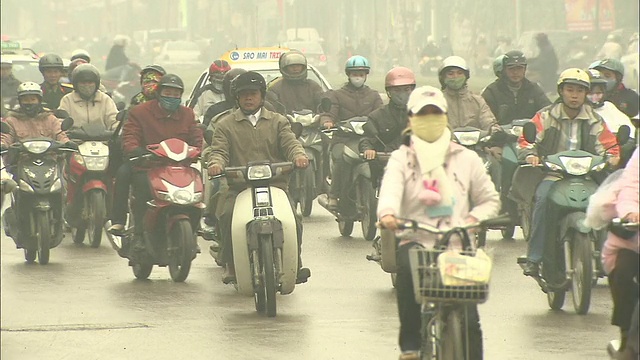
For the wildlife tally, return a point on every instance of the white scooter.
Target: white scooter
(263, 235)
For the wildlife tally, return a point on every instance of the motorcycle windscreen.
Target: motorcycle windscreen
(242, 215)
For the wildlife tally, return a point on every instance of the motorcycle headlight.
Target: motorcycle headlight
(576, 165)
(358, 127)
(553, 166)
(305, 120)
(467, 138)
(96, 163)
(37, 147)
(57, 185)
(259, 172)
(197, 197)
(517, 131)
(25, 187)
(182, 197)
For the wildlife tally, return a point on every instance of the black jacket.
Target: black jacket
(116, 58)
(626, 100)
(390, 121)
(507, 107)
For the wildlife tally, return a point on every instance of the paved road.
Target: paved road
(86, 305)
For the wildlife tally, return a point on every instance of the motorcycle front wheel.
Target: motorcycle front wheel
(308, 192)
(582, 276)
(269, 275)
(182, 241)
(43, 234)
(97, 217)
(142, 271)
(369, 205)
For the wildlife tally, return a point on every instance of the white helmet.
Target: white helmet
(456, 62)
(121, 40)
(29, 88)
(80, 54)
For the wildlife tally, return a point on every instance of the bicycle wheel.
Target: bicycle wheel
(452, 346)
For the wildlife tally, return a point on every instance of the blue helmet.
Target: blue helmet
(355, 63)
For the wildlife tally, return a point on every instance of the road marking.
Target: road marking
(77, 327)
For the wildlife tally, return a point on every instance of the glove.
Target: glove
(138, 152)
(71, 145)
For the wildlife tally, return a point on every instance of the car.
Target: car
(24, 61)
(312, 50)
(261, 60)
(179, 53)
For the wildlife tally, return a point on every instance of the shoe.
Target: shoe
(531, 269)
(303, 275)
(116, 229)
(229, 274)
(409, 355)
(208, 232)
(332, 204)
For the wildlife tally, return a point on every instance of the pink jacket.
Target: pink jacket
(402, 182)
(627, 202)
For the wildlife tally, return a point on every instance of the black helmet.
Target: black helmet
(249, 80)
(85, 73)
(228, 78)
(154, 67)
(514, 57)
(50, 61)
(172, 81)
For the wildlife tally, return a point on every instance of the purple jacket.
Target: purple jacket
(402, 182)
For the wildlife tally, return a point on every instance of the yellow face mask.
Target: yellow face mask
(428, 127)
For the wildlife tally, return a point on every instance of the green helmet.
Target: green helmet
(608, 64)
(497, 65)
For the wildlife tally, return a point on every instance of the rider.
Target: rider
(512, 96)
(80, 54)
(251, 133)
(466, 108)
(8, 81)
(353, 99)
(624, 99)
(294, 91)
(612, 116)
(150, 77)
(217, 110)
(390, 120)
(566, 125)
(620, 253)
(52, 69)
(86, 104)
(150, 123)
(428, 155)
(213, 92)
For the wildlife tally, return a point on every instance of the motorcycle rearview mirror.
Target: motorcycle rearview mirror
(297, 129)
(325, 105)
(60, 113)
(370, 130)
(122, 114)
(530, 131)
(66, 124)
(120, 105)
(623, 134)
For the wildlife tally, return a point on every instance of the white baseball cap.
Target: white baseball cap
(426, 95)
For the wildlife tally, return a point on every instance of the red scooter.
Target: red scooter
(88, 183)
(173, 214)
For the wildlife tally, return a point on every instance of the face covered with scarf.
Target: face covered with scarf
(150, 81)
(427, 108)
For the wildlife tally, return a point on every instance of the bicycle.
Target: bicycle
(445, 285)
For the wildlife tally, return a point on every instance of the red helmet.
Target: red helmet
(219, 66)
(399, 76)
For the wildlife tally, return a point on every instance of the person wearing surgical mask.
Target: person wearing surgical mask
(86, 104)
(390, 120)
(466, 108)
(211, 93)
(351, 100)
(626, 100)
(435, 181)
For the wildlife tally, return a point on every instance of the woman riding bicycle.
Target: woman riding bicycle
(434, 181)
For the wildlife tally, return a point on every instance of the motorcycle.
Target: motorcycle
(357, 202)
(122, 82)
(34, 220)
(263, 235)
(7, 184)
(88, 183)
(430, 65)
(571, 255)
(305, 183)
(172, 216)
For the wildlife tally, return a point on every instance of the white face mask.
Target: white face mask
(357, 81)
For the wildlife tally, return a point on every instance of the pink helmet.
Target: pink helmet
(399, 76)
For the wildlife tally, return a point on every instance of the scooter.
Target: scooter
(263, 235)
(7, 184)
(571, 254)
(357, 202)
(430, 65)
(172, 216)
(34, 220)
(305, 183)
(88, 183)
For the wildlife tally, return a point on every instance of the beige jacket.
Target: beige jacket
(465, 108)
(24, 127)
(100, 109)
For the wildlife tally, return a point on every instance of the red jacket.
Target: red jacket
(148, 124)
